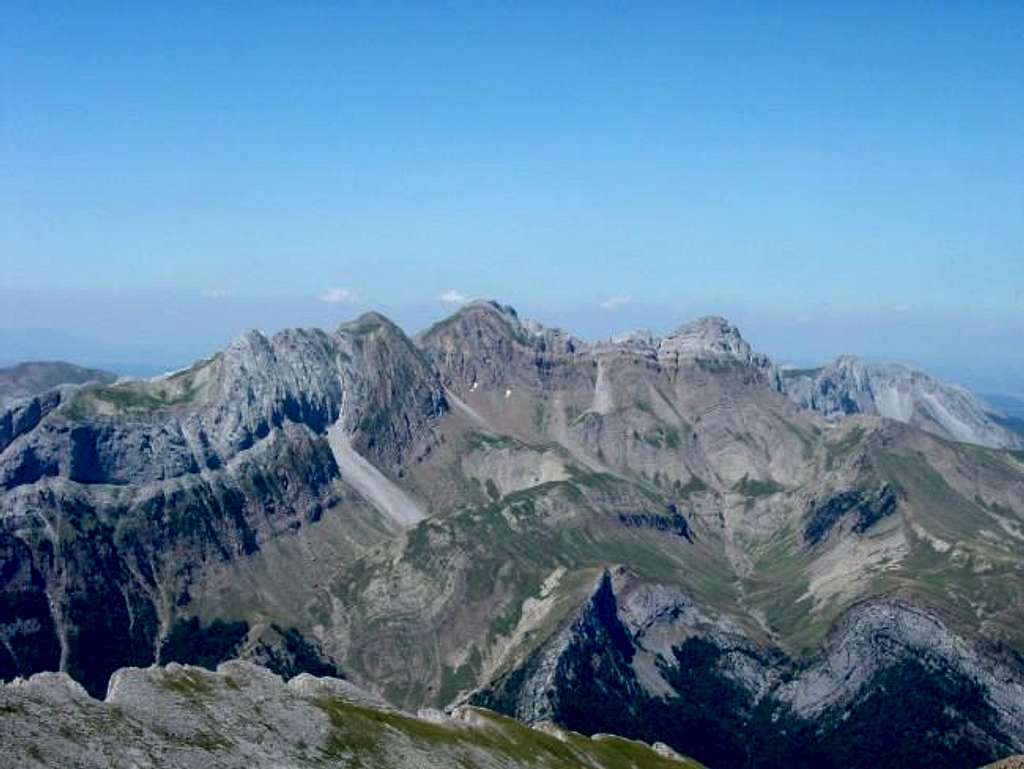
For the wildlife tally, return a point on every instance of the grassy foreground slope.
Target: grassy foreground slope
(244, 716)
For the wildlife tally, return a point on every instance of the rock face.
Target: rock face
(738, 703)
(1014, 762)
(244, 716)
(36, 377)
(850, 386)
(120, 499)
(639, 536)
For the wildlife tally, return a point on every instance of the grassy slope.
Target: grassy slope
(362, 733)
(464, 578)
(178, 717)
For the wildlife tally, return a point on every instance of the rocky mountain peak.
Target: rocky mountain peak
(639, 337)
(710, 336)
(481, 314)
(849, 385)
(853, 373)
(385, 508)
(490, 325)
(367, 322)
(714, 339)
(847, 362)
(251, 347)
(492, 306)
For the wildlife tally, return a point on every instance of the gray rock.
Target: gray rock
(850, 386)
(242, 716)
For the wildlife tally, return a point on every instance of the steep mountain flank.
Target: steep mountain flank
(850, 386)
(644, 536)
(637, 406)
(127, 502)
(641, 659)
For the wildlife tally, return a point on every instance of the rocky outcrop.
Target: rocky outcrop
(368, 374)
(850, 386)
(594, 639)
(878, 634)
(120, 499)
(243, 716)
(713, 338)
(733, 700)
(866, 509)
(698, 407)
(390, 393)
(96, 572)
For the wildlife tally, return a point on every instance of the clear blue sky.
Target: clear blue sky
(833, 176)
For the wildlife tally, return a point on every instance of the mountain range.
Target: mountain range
(850, 386)
(669, 539)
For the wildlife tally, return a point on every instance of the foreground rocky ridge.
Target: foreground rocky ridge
(641, 536)
(243, 716)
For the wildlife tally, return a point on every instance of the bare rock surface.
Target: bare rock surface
(639, 536)
(181, 717)
(851, 386)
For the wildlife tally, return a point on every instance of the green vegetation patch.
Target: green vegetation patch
(752, 487)
(362, 737)
(208, 741)
(841, 449)
(663, 437)
(693, 486)
(188, 683)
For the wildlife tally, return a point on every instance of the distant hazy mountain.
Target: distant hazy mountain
(1008, 411)
(850, 386)
(642, 536)
(31, 378)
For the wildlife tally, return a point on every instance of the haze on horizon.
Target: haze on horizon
(831, 179)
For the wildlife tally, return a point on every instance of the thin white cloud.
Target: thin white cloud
(614, 302)
(902, 308)
(338, 296)
(451, 296)
(216, 293)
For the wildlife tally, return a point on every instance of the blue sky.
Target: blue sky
(833, 178)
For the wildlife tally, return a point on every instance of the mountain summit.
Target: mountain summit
(639, 536)
(848, 385)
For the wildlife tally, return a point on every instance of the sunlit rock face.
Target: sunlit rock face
(641, 536)
(850, 386)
